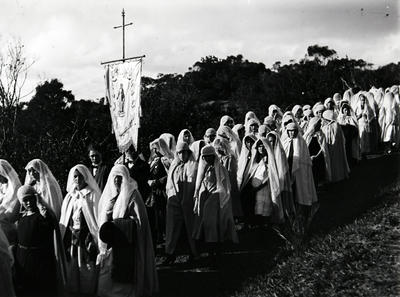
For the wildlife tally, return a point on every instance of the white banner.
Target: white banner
(123, 96)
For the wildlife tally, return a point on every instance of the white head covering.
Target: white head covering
(89, 202)
(281, 163)
(367, 110)
(233, 139)
(225, 119)
(222, 176)
(273, 108)
(348, 94)
(243, 170)
(250, 115)
(337, 98)
(389, 117)
(344, 119)
(288, 117)
(272, 171)
(169, 140)
(250, 122)
(195, 147)
(180, 136)
(237, 128)
(295, 109)
(327, 100)
(9, 199)
(48, 188)
(318, 107)
(162, 148)
(128, 186)
(87, 176)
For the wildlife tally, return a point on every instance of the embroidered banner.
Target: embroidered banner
(123, 95)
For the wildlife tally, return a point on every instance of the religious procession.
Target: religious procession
(226, 178)
(101, 238)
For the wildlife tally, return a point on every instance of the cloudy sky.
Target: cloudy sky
(68, 38)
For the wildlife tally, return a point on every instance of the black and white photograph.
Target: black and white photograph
(199, 148)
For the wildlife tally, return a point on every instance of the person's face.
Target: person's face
(229, 123)
(299, 114)
(362, 99)
(319, 114)
(253, 128)
(29, 203)
(209, 138)
(131, 154)
(263, 134)
(209, 159)
(95, 157)
(272, 126)
(183, 156)
(79, 180)
(3, 180)
(249, 143)
(346, 111)
(330, 105)
(118, 182)
(186, 137)
(292, 133)
(271, 140)
(33, 174)
(261, 149)
(155, 150)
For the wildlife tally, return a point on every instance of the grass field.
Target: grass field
(358, 259)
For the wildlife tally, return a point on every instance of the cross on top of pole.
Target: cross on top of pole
(123, 33)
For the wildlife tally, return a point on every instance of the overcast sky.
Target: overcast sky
(68, 38)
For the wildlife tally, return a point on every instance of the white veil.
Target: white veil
(9, 200)
(48, 187)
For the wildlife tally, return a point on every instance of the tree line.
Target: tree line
(56, 128)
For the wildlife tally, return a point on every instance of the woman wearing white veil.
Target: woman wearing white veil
(185, 136)
(229, 161)
(265, 182)
(336, 146)
(319, 152)
(79, 231)
(389, 120)
(128, 269)
(42, 179)
(365, 115)
(300, 167)
(170, 141)
(213, 205)
(9, 204)
(348, 121)
(282, 167)
(227, 121)
(234, 142)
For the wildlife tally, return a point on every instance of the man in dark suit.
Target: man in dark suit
(97, 167)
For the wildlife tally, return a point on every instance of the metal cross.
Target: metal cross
(123, 33)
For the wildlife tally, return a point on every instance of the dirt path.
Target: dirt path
(258, 249)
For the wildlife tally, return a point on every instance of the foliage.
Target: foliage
(57, 128)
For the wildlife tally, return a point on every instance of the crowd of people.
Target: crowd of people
(100, 239)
